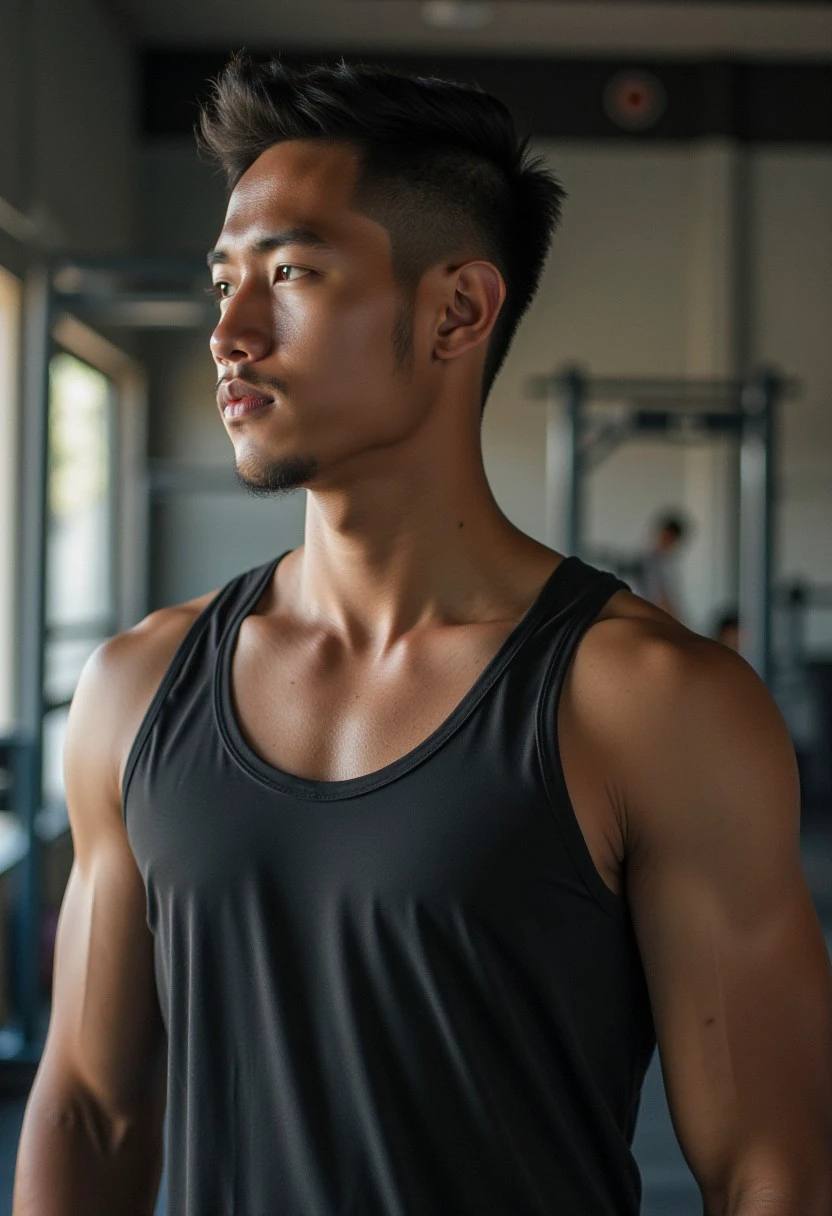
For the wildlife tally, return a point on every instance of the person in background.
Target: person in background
(726, 629)
(658, 575)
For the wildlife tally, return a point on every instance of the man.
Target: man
(431, 826)
(658, 584)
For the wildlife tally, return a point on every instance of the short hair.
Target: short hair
(727, 618)
(441, 166)
(672, 522)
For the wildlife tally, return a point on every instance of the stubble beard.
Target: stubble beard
(267, 480)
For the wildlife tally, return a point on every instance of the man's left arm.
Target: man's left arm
(705, 781)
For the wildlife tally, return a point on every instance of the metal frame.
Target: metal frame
(20, 757)
(58, 291)
(681, 410)
(28, 738)
(796, 598)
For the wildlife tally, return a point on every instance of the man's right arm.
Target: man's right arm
(91, 1142)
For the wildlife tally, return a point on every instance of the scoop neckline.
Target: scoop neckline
(348, 787)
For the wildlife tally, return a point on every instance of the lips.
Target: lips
(247, 405)
(239, 390)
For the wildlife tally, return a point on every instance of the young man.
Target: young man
(392, 853)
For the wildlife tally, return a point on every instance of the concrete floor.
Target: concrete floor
(669, 1189)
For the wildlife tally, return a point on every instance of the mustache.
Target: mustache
(255, 381)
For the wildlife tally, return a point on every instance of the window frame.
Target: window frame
(11, 309)
(128, 479)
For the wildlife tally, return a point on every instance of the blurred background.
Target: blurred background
(665, 411)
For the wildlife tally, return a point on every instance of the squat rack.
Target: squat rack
(582, 430)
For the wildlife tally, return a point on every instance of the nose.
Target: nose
(244, 331)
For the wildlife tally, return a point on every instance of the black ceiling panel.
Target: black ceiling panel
(784, 4)
(749, 100)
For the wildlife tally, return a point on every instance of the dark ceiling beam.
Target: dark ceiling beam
(562, 98)
(784, 4)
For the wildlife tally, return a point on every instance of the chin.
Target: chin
(266, 478)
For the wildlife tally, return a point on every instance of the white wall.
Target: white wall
(640, 282)
(610, 299)
(645, 278)
(793, 326)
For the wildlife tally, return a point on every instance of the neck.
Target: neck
(415, 537)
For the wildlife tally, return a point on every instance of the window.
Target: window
(81, 607)
(10, 292)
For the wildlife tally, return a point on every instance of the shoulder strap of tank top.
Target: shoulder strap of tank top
(593, 588)
(223, 602)
(575, 592)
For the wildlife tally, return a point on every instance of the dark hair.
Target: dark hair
(441, 166)
(677, 524)
(728, 618)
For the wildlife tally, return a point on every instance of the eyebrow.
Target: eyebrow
(288, 236)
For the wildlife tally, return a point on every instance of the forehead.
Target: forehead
(298, 182)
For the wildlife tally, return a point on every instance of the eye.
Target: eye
(288, 266)
(216, 290)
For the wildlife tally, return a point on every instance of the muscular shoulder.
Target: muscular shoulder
(633, 650)
(682, 726)
(121, 676)
(637, 663)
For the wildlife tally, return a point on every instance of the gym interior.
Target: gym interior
(674, 367)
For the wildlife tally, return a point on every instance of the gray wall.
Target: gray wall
(792, 226)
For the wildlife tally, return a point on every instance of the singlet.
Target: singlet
(408, 993)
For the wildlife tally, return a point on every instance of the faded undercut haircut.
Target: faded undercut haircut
(440, 166)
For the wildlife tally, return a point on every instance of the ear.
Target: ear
(474, 293)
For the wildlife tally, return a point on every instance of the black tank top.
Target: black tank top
(403, 994)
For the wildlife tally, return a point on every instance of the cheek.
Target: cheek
(346, 350)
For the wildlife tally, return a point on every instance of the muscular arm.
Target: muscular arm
(703, 775)
(91, 1137)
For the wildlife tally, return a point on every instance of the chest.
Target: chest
(306, 708)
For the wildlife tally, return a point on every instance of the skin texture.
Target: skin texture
(679, 767)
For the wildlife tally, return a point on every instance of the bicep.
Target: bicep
(105, 1029)
(742, 1013)
(734, 957)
